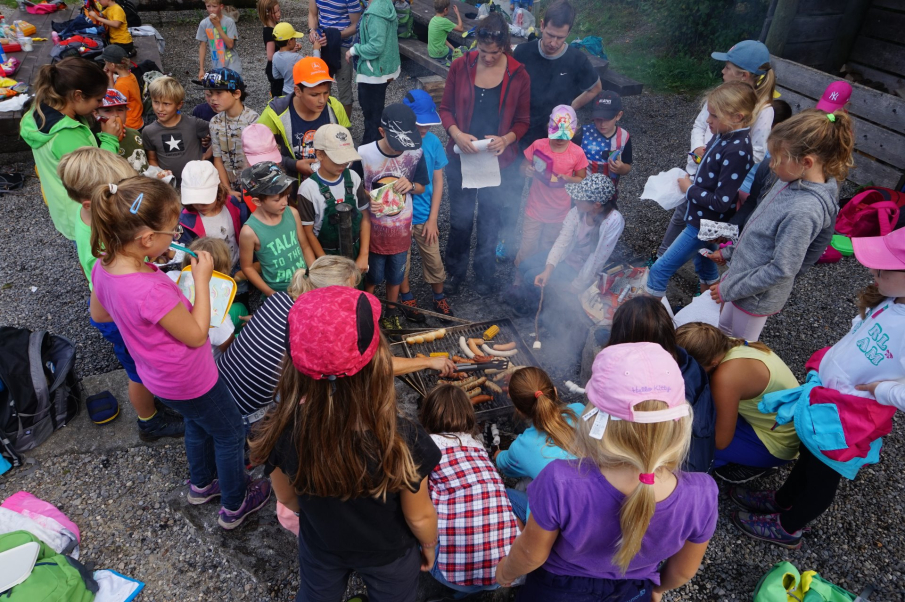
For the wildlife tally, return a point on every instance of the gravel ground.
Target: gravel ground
(120, 500)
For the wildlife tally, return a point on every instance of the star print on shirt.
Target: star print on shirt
(173, 142)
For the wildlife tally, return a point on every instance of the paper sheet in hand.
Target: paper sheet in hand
(479, 170)
(663, 188)
(222, 288)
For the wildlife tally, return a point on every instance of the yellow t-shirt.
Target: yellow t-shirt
(121, 34)
(782, 441)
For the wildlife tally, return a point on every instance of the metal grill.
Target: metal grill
(500, 405)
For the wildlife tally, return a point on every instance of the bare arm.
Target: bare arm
(732, 381)
(284, 490)
(529, 551)
(421, 517)
(364, 238)
(407, 365)
(459, 26)
(307, 251)
(578, 177)
(201, 51)
(313, 241)
(193, 328)
(221, 169)
(271, 49)
(248, 243)
(312, 16)
(152, 158)
(587, 96)
(349, 31)
(681, 566)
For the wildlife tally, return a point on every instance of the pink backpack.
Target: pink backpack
(872, 212)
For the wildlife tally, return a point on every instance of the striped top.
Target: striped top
(335, 13)
(251, 365)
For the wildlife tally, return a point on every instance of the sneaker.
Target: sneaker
(766, 527)
(759, 502)
(390, 320)
(256, 497)
(197, 496)
(441, 306)
(160, 426)
(413, 315)
(736, 473)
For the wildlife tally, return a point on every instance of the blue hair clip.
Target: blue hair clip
(137, 204)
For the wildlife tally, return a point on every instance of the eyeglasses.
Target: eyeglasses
(695, 158)
(176, 234)
(496, 36)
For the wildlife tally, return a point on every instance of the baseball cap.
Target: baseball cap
(748, 54)
(259, 144)
(836, 95)
(336, 141)
(400, 126)
(333, 332)
(264, 178)
(200, 182)
(563, 123)
(311, 71)
(595, 188)
(221, 79)
(607, 105)
(881, 252)
(284, 31)
(114, 98)
(423, 105)
(625, 375)
(113, 54)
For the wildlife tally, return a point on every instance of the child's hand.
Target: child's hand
(206, 142)
(215, 20)
(618, 167)
(541, 279)
(362, 263)
(112, 127)
(402, 185)
(870, 388)
(303, 166)
(428, 558)
(163, 174)
(716, 257)
(349, 56)
(715, 293)
(201, 73)
(443, 365)
(699, 151)
(684, 184)
(431, 232)
(202, 268)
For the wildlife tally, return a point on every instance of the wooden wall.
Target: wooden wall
(879, 49)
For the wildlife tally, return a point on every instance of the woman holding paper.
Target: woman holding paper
(487, 97)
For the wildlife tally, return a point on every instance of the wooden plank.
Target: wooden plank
(898, 5)
(809, 28)
(813, 54)
(884, 24)
(892, 82)
(433, 85)
(416, 50)
(880, 54)
(867, 171)
(821, 7)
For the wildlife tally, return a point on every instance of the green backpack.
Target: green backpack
(406, 19)
(55, 578)
(783, 583)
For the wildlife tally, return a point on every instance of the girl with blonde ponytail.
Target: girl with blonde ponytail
(630, 442)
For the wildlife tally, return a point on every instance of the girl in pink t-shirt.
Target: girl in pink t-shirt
(553, 162)
(167, 336)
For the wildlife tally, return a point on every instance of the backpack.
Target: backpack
(41, 391)
(406, 19)
(54, 578)
(783, 583)
(132, 17)
(872, 212)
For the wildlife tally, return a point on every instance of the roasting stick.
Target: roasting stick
(540, 306)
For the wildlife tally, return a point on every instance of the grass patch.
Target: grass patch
(9, 3)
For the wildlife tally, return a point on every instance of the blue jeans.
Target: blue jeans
(685, 247)
(519, 501)
(111, 333)
(461, 590)
(386, 267)
(746, 449)
(214, 442)
(542, 586)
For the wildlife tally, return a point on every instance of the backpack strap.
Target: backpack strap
(36, 368)
(347, 181)
(865, 595)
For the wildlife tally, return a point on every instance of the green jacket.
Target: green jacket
(378, 50)
(60, 135)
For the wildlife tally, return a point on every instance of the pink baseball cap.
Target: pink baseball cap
(836, 95)
(881, 252)
(333, 332)
(259, 144)
(625, 375)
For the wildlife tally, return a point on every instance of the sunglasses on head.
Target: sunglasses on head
(496, 36)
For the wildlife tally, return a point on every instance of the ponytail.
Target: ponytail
(868, 298)
(829, 137)
(534, 396)
(55, 83)
(764, 87)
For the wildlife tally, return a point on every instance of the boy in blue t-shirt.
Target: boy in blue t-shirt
(606, 145)
(426, 208)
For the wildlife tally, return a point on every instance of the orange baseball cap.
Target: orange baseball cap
(311, 71)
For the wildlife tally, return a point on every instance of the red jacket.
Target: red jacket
(515, 101)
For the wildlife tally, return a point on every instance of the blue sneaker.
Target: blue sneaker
(256, 497)
(198, 496)
(766, 527)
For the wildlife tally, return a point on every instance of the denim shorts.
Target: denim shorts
(110, 332)
(386, 267)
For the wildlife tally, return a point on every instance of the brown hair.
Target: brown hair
(218, 249)
(559, 14)
(812, 132)
(781, 111)
(440, 6)
(340, 428)
(534, 396)
(84, 169)
(114, 225)
(707, 344)
(734, 98)
(55, 83)
(643, 319)
(495, 22)
(447, 409)
(265, 12)
(868, 298)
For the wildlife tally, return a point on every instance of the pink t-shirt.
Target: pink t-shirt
(550, 204)
(137, 302)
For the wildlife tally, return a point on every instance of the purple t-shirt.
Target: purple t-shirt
(584, 506)
(137, 302)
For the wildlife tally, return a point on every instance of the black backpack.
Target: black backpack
(132, 17)
(40, 393)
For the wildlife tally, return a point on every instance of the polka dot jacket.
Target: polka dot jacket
(714, 190)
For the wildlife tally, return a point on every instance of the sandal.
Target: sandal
(102, 407)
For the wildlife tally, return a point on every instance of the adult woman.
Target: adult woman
(341, 456)
(748, 443)
(487, 96)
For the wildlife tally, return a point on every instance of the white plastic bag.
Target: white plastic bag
(523, 19)
(663, 188)
(483, 10)
(701, 309)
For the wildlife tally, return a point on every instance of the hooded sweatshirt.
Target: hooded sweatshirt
(786, 234)
(378, 50)
(60, 135)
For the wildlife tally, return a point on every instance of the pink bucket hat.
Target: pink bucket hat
(563, 123)
(333, 332)
(259, 144)
(625, 375)
(881, 252)
(836, 95)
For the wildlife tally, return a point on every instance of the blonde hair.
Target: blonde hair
(55, 83)
(645, 447)
(733, 98)
(534, 396)
(265, 12)
(707, 343)
(218, 249)
(327, 270)
(813, 132)
(168, 89)
(86, 168)
(764, 85)
(868, 298)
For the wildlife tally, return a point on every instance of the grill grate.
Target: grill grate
(500, 405)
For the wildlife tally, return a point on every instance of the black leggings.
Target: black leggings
(808, 491)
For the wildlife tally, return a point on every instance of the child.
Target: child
(167, 337)
(553, 162)
(227, 97)
(204, 110)
(713, 193)
(318, 196)
(859, 379)
(115, 107)
(426, 209)
(269, 14)
(174, 139)
(66, 94)
(606, 145)
(396, 156)
(765, 178)
(82, 171)
(650, 523)
(346, 461)
(115, 22)
(119, 70)
(438, 47)
(286, 56)
(273, 235)
(474, 516)
(218, 32)
(810, 154)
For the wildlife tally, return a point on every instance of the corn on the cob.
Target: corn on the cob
(491, 332)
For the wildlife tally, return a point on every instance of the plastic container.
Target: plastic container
(26, 44)
(843, 244)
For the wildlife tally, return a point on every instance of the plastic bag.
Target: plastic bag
(523, 19)
(663, 188)
(483, 10)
